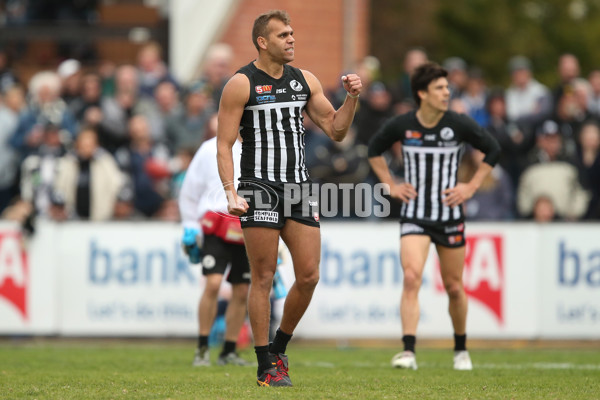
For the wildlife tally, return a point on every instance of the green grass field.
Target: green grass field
(90, 369)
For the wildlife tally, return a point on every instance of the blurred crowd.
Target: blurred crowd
(114, 142)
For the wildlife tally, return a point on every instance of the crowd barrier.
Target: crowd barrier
(523, 280)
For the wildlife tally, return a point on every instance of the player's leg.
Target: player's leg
(304, 243)
(452, 261)
(239, 277)
(234, 320)
(261, 246)
(207, 311)
(413, 254)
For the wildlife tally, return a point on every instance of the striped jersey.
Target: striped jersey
(431, 157)
(272, 127)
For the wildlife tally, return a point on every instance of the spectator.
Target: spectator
(187, 128)
(159, 110)
(494, 200)
(527, 100)
(568, 71)
(7, 78)
(45, 107)
(38, 171)
(11, 105)
(87, 180)
(70, 74)
(375, 108)
(593, 104)
(549, 145)
(475, 97)
(146, 166)
(543, 210)
(514, 141)
(457, 76)
(217, 70)
(413, 58)
(117, 110)
(588, 157)
(551, 176)
(152, 69)
(107, 71)
(87, 107)
(571, 112)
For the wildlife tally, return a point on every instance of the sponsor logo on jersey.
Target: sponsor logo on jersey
(265, 99)
(313, 203)
(266, 216)
(454, 228)
(300, 97)
(413, 134)
(429, 138)
(14, 272)
(410, 228)
(296, 86)
(483, 275)
(260, 89)
(447, 133)
(209, 261)
(280, 91)
(455, 239)
(316, 216)
(413, 142)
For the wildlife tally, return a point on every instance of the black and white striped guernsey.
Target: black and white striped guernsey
(272, 127)
(431, 158)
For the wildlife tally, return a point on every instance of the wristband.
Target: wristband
(352, 97)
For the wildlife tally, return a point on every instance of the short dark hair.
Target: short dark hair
(261, 22)
(423, 76)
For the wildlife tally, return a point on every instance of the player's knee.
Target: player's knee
(308, 281)
(412, 279)
(454, 289)
(240, 292)
(263, 279)
(211, 288)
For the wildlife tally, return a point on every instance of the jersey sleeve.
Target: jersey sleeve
(481, 139)
(385, 137)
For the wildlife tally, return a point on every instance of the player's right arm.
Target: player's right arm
(381, 142)
(234, 98)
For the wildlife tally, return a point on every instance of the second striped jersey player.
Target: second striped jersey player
(431, 157)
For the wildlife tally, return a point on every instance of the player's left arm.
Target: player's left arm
(334, 123)
(482, 140)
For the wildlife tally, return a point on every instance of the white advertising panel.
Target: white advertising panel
(28, 303)
(132, 279)
(126, 279)
(361, 282)
(570, 282)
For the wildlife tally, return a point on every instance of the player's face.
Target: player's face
(280, 42)
(437, 95)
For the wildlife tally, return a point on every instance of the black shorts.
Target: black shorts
(218, 254)
(271, 204)
(447, 235)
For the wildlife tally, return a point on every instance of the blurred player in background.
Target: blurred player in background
(214, 238)
(432, 139)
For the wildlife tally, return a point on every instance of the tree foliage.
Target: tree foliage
(487, 33)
